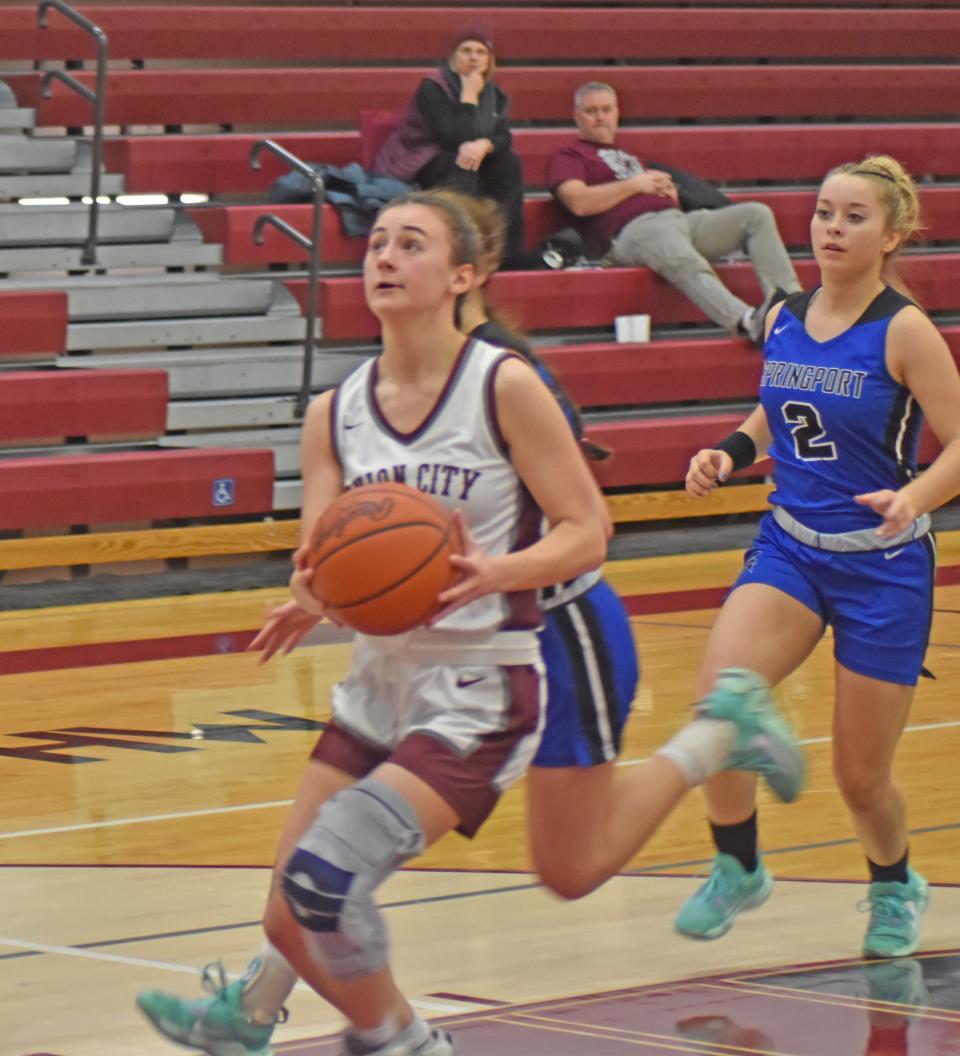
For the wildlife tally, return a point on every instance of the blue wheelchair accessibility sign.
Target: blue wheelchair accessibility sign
(224, 492)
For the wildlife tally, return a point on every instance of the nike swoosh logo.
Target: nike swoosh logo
(462, 682)
(888, 555)
(353, 426)
(779, 329)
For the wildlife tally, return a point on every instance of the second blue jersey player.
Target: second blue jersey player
(849, 369)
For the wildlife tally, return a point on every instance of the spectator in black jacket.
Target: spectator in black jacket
(455, 133)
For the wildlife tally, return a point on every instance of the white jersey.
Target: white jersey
(457, 455)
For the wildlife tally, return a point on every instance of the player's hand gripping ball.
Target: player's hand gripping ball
(380, 555)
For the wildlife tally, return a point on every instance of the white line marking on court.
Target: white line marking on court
(184, 969)
(93, 955)
(442, 1006)
(148, 817)
(922, 728)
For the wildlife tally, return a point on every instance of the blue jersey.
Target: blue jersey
(841, 425)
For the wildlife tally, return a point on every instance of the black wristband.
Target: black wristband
(740, 447)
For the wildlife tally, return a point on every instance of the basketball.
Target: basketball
(380, 555)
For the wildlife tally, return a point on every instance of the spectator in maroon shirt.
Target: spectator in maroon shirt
(631, 212)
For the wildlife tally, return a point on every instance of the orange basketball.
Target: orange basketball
(380, 555)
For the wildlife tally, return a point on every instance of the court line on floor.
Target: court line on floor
(271, 804)
(114, 822)
(166, 966)
(769, 852)
(924, 727)
(404, 903)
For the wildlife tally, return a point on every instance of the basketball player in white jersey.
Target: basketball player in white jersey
(428, 727)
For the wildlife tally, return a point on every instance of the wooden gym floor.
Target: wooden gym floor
(147, 763)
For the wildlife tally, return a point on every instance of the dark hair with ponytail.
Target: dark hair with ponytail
(485, 216)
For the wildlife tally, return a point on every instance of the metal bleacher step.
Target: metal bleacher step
(13, 117)
(224, 373)
(264, 411)
(68, 179)
(149, 255)
(65, 225)
(115, 298)
(244, 372)
(171, 309)
(56, 185)
(17, 118)
(21, 154)
(240, 329)
(284, 442)
(288, 494)
(182, 244)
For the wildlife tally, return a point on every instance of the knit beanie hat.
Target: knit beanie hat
(480, 31)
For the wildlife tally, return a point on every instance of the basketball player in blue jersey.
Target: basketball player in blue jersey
(585, 820)
(430, 726)
(848, 367)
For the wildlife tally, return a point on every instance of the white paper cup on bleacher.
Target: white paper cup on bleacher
(632, 328)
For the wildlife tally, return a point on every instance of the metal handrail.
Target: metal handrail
(312, 245)
(97, 98)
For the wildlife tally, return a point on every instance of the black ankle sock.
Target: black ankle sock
(886, 874)
(739, 840)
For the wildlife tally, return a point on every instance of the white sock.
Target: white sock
(268, 982)
(416, 1032)
(701, 748)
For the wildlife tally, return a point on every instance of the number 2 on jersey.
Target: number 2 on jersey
(808, 432)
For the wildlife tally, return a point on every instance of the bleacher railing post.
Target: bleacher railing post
(97, 98)
(312, 245)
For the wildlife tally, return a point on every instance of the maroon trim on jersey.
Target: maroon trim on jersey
(465, 782)
(490, 403)
(523, 609)
(523, 606)
(432, 414)
(334, 408)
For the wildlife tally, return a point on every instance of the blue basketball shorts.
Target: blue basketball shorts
(878, 602)
(592, 674)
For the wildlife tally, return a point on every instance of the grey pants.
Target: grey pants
(679, 246)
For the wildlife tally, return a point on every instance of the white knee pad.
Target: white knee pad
(359, 837)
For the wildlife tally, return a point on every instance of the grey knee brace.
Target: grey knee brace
(358, 838)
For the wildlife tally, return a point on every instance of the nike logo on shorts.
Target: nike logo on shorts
(463, 682)
(780, 329)
(889, 554)
(351, 425)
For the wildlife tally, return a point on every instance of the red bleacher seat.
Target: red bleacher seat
(609, 374)
(97, 404)
(657, 451)
(232, 225)
(217, 163)
(123, 487)
(303, 98)
(329, 89)
(791, 153)
(571, 300)
(788, 153)
(327, 34)
(34, 324)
